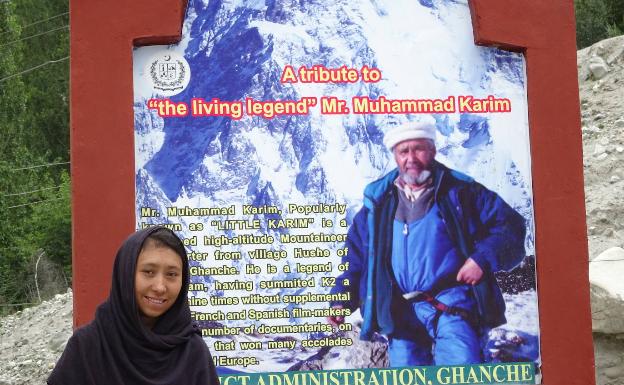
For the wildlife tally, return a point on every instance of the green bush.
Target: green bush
(35, 215)
(597, 20)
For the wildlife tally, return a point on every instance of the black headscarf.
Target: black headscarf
(117, 348)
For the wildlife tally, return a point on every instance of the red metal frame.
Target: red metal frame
(102, 153)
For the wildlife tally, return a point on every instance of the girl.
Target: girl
(142, 334)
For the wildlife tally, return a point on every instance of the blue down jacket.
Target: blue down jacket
(482, 226)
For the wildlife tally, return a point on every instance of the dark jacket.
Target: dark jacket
(482, 226)
(118, 348)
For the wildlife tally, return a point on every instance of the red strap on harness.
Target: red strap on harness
(419, 296)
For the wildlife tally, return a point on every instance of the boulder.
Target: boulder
(598, 67)
(607, 291)
(609, 360)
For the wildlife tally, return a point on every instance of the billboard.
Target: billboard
(255, 139)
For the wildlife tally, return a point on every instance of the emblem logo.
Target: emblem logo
(169, 72)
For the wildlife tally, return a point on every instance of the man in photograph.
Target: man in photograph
(422, 253)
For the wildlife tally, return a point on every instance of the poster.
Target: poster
(255, 139)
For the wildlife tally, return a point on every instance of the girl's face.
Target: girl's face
(157, 281)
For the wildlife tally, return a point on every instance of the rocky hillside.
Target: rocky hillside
(601, 83)
(601, 78)
(32, 340)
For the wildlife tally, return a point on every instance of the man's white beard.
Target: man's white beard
(418, 180)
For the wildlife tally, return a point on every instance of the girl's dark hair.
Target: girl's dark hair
(167, 238)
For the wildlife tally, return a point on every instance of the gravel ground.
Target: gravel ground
(602, 108)
(32, 340)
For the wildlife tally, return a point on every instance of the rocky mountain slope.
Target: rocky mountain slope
(601, 78)
(601, 84)
(32, 340)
